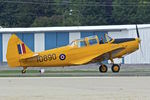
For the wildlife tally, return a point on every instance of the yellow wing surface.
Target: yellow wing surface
(99, 55)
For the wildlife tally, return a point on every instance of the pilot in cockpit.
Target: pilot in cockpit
(101, 41)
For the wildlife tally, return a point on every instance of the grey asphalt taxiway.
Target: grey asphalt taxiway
(76, 83)
(75, 88)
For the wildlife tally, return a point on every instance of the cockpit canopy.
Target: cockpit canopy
(91, 40)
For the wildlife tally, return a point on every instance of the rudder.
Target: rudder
(15, 49)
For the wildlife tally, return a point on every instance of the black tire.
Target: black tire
(23, 71)
(115, 68)
(103, 69)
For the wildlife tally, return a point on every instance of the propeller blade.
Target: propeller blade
(137, 31)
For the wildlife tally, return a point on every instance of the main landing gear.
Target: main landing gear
(115, 68)
(103, 68)
(24, 70)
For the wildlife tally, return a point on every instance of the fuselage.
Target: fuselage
(66, 55)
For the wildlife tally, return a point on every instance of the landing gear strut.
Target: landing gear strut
(115, 67)
(24, 70)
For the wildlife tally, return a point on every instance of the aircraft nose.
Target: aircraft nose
(139, 40)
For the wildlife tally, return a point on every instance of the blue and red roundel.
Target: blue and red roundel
(21, 48)
(62, 57)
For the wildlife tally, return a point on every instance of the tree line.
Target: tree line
(45, 13)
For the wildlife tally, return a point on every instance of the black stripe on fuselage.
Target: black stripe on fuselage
(122, 40)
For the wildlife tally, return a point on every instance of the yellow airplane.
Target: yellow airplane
(82, 51)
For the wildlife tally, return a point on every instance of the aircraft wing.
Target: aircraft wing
(84, 61)
(106, 55)
(94, 57)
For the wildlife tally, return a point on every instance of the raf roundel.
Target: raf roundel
(62, 57)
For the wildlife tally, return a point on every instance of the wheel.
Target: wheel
(115, 68)
(23, 71)
(103, 69)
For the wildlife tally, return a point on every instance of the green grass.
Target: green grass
(47, 71)
(75, 73)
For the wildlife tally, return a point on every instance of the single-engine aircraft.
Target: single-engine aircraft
(81, 51)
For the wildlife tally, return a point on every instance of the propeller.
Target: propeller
(137, 31)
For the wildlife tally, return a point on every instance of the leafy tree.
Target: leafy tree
(47, 21)
(93, 12)
(143, 12)
(44, 13)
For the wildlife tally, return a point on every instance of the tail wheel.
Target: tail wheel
(115, 68)
(23, 71)
(103, 69)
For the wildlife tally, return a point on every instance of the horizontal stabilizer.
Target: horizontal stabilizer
(29, 56)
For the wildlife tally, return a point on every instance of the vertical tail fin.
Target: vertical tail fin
(16, 48)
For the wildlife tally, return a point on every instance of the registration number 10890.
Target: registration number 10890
(48, 57)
